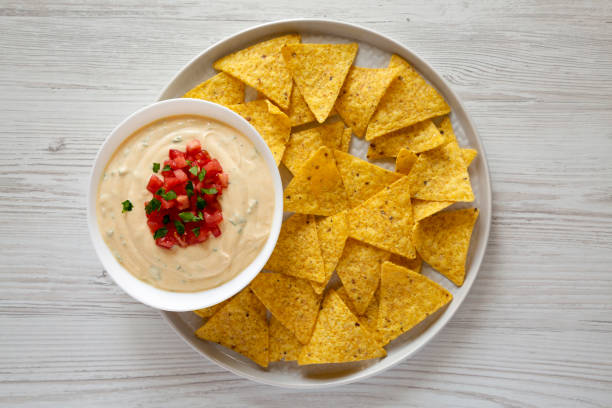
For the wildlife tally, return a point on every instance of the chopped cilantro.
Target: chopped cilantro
(189, 217)
(209, 190)
(202, 175)
(170, 195)
(127, 206)
(196, 231)
(156, 167)
(194, 170)
(152, 205)
(160, 233)
(189, 162)
(167, 168)
(166, 219)
(200, 203)
(189, 188)
(180, 228)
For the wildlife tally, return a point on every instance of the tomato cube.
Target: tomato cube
(182, 202)
(213, 219)
(215, 231)
(193, 147)
(180, 162)
(155, 183)
(173, 154)
(165, 242)
(165, 204)
(213, 167)
(170, 182)
(223, 179)
(181, 176)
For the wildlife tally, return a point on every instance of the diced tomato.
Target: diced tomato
(170, 182)
(155, 183)
(212, 219)
(166, 242)
(213, 167)
(165, 204)
(173, 154)
(223, 179)
(181, 176)
(210, 198)
(215, 231)
(154, 225)
(193, 147)
(167, 172)
(182, 202)
(180, 162)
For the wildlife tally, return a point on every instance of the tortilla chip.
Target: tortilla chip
(423, 209)
(317, 188)
(291, 300)
(297, 252)
(406, 299)
(345, 143)
(360, 95)
(271, 123)
(443, 240)
(240, 325)
(284, 346)
(332, 232)
(359, 271)
(369, 319)
(415, 264)
(408, 100)
(385, 220)
(441, 175)
(417, 138)
(319, 71)
(468, 156)
(211, 310)
(446, 130)
(223, 89)
(338, 336)
(362, 179)
(405, 160)
(299, 113)
(304, 143)
(263, 67)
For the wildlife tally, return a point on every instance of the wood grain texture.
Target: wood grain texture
(536, 329)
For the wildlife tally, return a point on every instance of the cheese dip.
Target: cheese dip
(247, 205)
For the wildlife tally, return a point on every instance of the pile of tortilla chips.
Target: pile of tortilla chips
(370, 227)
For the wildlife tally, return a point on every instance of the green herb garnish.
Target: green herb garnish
(196, 231)
(152, 205)
(127, 206)
(189, 217)
(170, 195)
(202, 175)
(194, 170)
(156, 167)
(209, 190)
(180, 228)
(200, 203)
(160, 233)
(167, 168)
(189, 188)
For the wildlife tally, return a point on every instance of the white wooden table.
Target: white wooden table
(536, 329)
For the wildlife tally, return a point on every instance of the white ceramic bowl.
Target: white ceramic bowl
(139, 290)
(374, 51)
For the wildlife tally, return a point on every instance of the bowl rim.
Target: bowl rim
(263, 31)
(140, 290)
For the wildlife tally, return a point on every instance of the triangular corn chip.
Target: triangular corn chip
(338, 336)
(304, 143)
(417, 138)
(385, 220)
(362, 179)
(423, 209)
(443, 241)
(332, 232)
(273, 125)
(405, 160)
(291, 300)
(319, 71)
(263, 67)
(369, 319)
(468, 156)
(446, 130)
(406, 299)
(299, 113)
(297, 252)
(346, 140)
(211, 310)
(408, 100)
(284, 346)
(359, 271)
(360, 95)
(240, 325)
(415, 264)
(223, 89)
(317, 188)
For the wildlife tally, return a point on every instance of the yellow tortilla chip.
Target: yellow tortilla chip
(415, 264)
(360, 95)
(297, 252)
(409, 100)
(446, 130)
(369, 319)
(211, 310)
(417, 138)
(319, 71)
(405, 160)
(338, 336)
(443, 240)
(359, 271)
(240, 325)
(406, 299)
(468, 156)
(345, 143)
(291, 300)
(441, 175)
(332, 232)
(223, 89)
(317, 188)
(299, 113)
(284, 346)
(423, 209)
(271, 123)
(263, 67)
(385, 220)
(304, 143)
(362, 179)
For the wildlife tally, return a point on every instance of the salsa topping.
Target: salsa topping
(185, 209)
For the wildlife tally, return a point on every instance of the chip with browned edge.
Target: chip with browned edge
(273, 125)
(359, 271)
(297, 252)
(317, 188)
(304, 143)
(284, 346)
(211, 310)
(338, 336)
(406, 299)
(362, 179)
(360, 95)
(385, 220)
(263, 67)
(443, 241)
(291, 300)
(319, 71)
(223, 89)
(332, 232)
(409, 100)
(417, 138)
(240, 325)
(405, 160)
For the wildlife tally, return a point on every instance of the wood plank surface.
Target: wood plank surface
(535, 331)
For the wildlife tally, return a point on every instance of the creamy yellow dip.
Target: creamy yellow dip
(247, 204)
